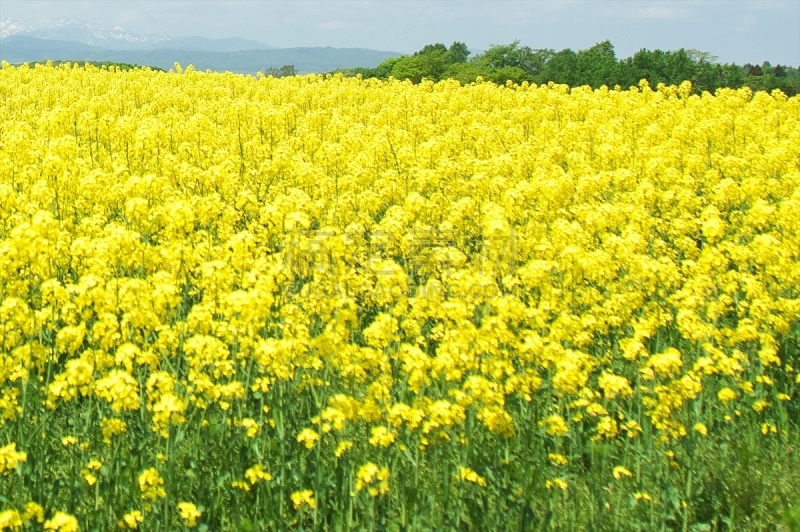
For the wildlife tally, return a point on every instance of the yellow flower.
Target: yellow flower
(381, 437)
(256, 473)
(62, 522)
(764, 379)
(373, 478)
(9, 458)
(132, 519)
(343, 447)
(151, 485)
(120, 389)
(620, 471)
(167, 410)
(32, 510)
(320, 233)
(726, 395)
(607, 427)
(760, 405)
(555, 425)
(251, 425)
(471, 476)
(189, 513)
(667, 363)
(308, 437)
(557, 483)
(112, 427)
(613, 385)
(10, 520)
(632, 428)
(241, 485)
(303, 498)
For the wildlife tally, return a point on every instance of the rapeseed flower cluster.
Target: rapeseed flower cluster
(362, 269)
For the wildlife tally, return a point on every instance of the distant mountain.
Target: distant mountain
(116, 38)
(19, 49)
(203, 44)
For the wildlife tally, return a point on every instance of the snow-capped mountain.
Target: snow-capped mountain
(77, 41)
(117, 38)
(114, 38)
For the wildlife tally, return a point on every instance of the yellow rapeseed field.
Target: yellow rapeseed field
(242, 303)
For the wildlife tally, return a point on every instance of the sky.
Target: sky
(740, 31)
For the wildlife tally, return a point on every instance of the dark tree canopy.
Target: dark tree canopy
(595, 66)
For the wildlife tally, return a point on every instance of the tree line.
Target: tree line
(594, 66)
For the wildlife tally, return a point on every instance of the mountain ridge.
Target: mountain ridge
(20, 49)
(118, 38)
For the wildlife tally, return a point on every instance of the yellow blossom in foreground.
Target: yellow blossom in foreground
(381, 437)
(151, 485)
(556, 426)
(426, 267)
(189, 513)
(32, 510)
(62, 522)
(559, 483)
(308, 437)
(240, 485)
(725, 395)
(471, 476)
(256, 473)
(132, 519)
(343, 447)
(10, 457)
(620, 471)
(303, 498)
(375, 479)
(761, 404)
(112, 427)
(251, 426)
(10, 520)
(90, 478)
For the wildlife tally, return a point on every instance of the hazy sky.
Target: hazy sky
(734, 30)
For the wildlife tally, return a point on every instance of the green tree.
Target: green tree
(418, 67)
(384, 70)
(457, 53)
(597, 65)
(282, 72)
(511, 55)
(431, 62)
(669, 68)
(594, 66)
(437, 48)
(561, 68)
